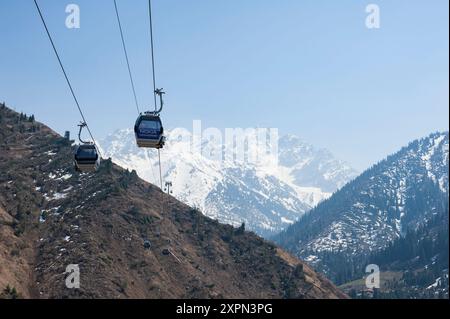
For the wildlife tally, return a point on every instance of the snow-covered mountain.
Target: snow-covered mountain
(311, 167)
(400, 193)
(266, 196)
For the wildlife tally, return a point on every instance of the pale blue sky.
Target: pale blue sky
(307, 67)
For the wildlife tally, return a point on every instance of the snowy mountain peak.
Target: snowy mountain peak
(268, 194)
(311, 167)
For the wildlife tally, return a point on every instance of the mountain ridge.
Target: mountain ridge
(398, 194)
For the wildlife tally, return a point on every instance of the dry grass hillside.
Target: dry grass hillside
(51, 216)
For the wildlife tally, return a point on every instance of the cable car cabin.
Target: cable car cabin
(149, 131)
(86, 158)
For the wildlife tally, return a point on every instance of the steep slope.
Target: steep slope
(266, 198)
(52, 217)
(399, 194)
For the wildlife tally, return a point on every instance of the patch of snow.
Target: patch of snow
(65, 177)
(436, 283)
(311, 259)
(50, 153)
(41, 217)
(287, 221)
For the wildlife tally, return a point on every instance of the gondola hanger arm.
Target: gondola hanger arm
(160, 93)
(81, 126)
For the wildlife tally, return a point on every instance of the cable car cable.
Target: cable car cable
(152, 50)
(160, 170)
(64, 71)
(148, 157)
(155, 94)
(128, 65)
(160, 178)
(126, 57)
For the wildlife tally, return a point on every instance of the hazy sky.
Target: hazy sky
(310, 68)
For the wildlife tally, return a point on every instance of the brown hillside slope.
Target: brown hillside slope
(51, 217)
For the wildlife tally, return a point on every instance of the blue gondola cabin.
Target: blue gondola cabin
(86, 158)
(149, 131)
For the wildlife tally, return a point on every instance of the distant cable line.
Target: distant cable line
(64, 71)
(126, 57)
(152, 50)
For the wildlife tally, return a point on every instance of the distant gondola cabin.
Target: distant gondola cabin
(86, 158)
